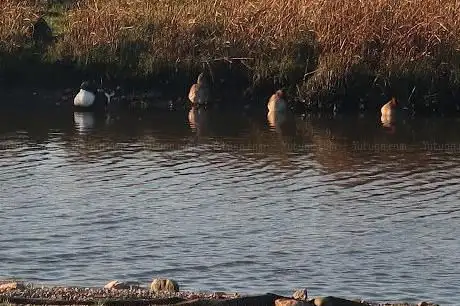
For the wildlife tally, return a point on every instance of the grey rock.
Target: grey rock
(301, 295)
(164, 285)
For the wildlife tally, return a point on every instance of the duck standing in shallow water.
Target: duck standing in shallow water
(276, 103)
(388, 112)
(199, 92)
(276, 110)
(92, 98)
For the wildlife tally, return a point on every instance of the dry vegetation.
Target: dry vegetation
(16, 19)
(319, 45)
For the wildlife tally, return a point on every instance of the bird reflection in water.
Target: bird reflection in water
(197, 119)
(84, 121)
(276, 121)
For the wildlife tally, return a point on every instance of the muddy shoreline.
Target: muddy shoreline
(26, 98)
(131, 99)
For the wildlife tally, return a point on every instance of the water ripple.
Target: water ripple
(236, 207)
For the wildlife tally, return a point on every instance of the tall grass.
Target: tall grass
(319, 45)
(149, 33)
(16, 20)
(388, 40)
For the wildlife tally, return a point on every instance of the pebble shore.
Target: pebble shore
(30, 294)
(60, 295)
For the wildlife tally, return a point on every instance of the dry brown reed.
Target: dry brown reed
(412, 28)
(16, 19)
(385, 37)
(321, 40)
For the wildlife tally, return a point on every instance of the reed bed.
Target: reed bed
(16, 20)
(317, 45)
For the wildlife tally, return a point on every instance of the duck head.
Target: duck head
(279, 94)
(393, 102)
(202, 80)
(89, 86)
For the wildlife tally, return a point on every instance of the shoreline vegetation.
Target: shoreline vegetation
(326, 54)
(161, 292)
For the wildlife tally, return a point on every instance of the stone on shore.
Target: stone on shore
(117, 285)
(164, 285)
(224, 295)
(300, 295)
(11, 286)
(291, 302)
(334, 301)
(426, 304)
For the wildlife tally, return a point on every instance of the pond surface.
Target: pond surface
(229, 202)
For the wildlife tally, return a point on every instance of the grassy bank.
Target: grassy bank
(321, 50)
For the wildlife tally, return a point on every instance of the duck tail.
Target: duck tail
(109, 96)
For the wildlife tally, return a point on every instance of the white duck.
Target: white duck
(86, 96)
(90, 97)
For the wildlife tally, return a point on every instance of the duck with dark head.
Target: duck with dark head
(92, 98)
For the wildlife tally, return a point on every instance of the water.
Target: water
(224, 201)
